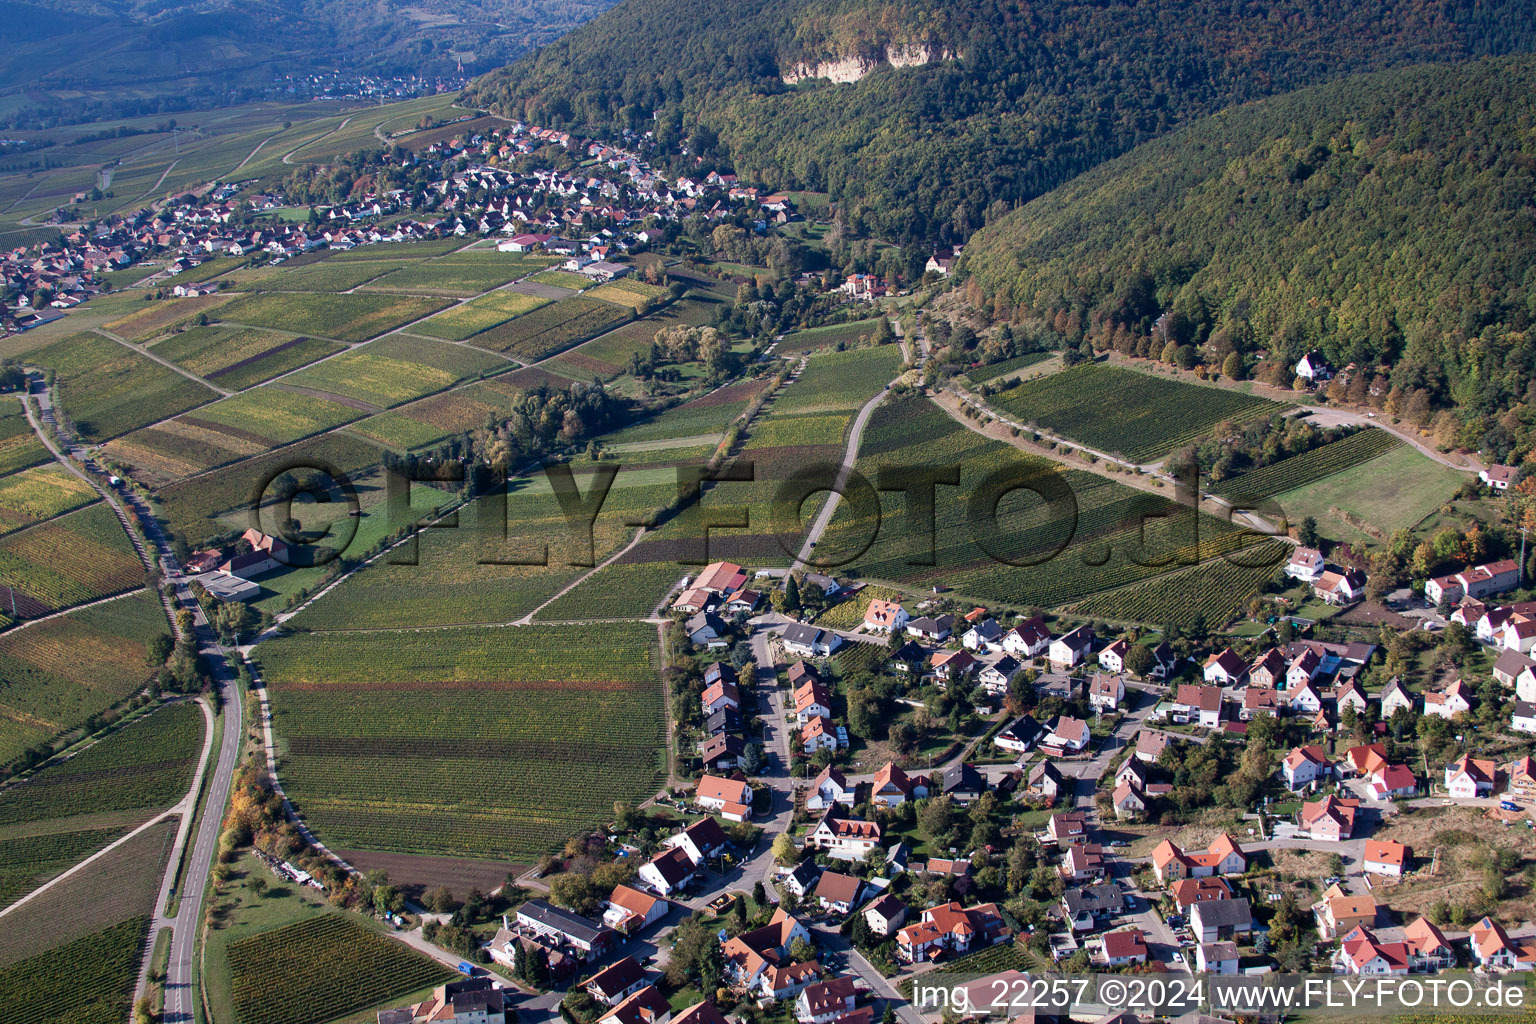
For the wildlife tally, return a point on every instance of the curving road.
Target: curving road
(197, 863)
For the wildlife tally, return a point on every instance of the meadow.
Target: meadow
(61, 672)
(19, 446)
(42, 492)
(73, 559)
(517, 737)
(395, 369)
(1393, 491)
(563, 279)
(108, 389)
(1152, 415)
(481, 314)
(71, 808)
(549, 329)
(237, 358)
(350, 317)
(323, 968)
(608, 355)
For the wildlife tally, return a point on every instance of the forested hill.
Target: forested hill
(1014, 98)
(1387, 218)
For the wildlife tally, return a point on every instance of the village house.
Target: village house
(1268, 671)
(933, 630)
(953, 929)
(837, 893)
(985, 635)
(1469, 777)
(1112, 658)
(1393, 696)
(1090, 907)
(809, 641)
(706, 629)
(1188, 891)
(812, 700)
(844, 838)
(1454, 700)
(997, 676)
(629, 910)
(1127, 946)
(702, 841)
(469, 1000)
(884, 914)
(1340, 588)
(1497, 477)
(1216, 958)
(1215, 920)
(1045, 779)
(1360, 952)
(1198, 704)
(1223, 857)
(1259, 701)
(885, 616)
(1428, 946)
(616, 982)
(1493, 948)
(1225, 668)
(1306, 564)
(1067, 827)
(952, 666)
(1339, 913)
(1105, 692)
(1069, 649)
(825, 1001)
(730, 797)
(1020, 736)
(1066, 735)
(1127, 802)
(828, 788)
(1478, 581)
(1385, 857)
(1304, 766)
(1028, 639)
(547, 921)
(892, 786)
(1329, 818)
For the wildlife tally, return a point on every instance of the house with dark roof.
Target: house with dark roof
(548, 921)
(810, 641)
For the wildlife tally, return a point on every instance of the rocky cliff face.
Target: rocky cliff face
(853, 68)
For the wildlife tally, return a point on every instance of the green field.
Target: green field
(1390, 492)
(152, 319)
(273, 415)
(608, 355)
(1309, 467)
(471, 318)
(1214, 591)
(516, 737)
(549, 329)
(107, 389)
(396, 369)
(437, 418)
(839, 381)
(459, 274)
(624, 590)
(351, 317)
(42, 492)
(191, 507)
(71, 808)
(563, 279)
(321, 969)
(323, 276)
(1097, 536)
(993, 371)
(814, 339)
(1151, 416)
(61, 672)
(627, 291)
(72, 954)
(19, 446)
(236, 358)
(76, 558)
(708, 415)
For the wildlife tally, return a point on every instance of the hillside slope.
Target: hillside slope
(1383, 219)
(995, 101)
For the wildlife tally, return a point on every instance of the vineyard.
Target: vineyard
(19, 446)
(624, 590)
(709, 415)
(156, 318)
(434, 419)
(326, 276)
(60, 672)
(608, 355)
(40, 493)
(994, 371)
(30, 860)
(1303, 469)
(321, 969)
(516, 737)
(562, 279)
(1215, 591)
(549, 329)
(395, 369)
(344, 317)
(460, 274)
(239, 357)
(1115, 537)
(272, 415)
(190, 506)
(839, 381)
(462, 322)
(858, 332)
(627, 291)
(179, 447)
(108, 389)
(73, 559)
(87, 981)
(1152, 415)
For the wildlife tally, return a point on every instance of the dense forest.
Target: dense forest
(1014, 99)
(1387, 220)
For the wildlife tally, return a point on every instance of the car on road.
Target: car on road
(1508, 805)
(1178, 958)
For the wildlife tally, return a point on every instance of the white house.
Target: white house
(1385, 857)
(1216, 957)
(1069, 649)
(1105, 692)
(1523, 719)
(809, 641)
(885, 616)
(1112, 658)
(1306, 564)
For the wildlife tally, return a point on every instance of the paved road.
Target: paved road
(198, 862)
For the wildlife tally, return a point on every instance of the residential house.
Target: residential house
(630, 910)
(1393, 696)
(617, 982)
(1304, 668)
(1523, 718)
(828, 788)
(731, 798)
(962, 783)
(1509, 665)
(700, 1013)
(706, 629)
(1314, 369)
(810, 641)
(985, 635)
(1454, 700)
(1189, 891)
(1268, 670)
(1329, 818)
(1493, 948)
(1067, 827)
(1069, 649)
(1020, 736)
(780, 982)
(1066, 735)
(1198, 704)
(825, 1001)
(1215, 920)
(702, 840)
(1497, 477)
(1468, 777)
(812, 700)
(1521, 777)
(1082, 862)
(1360, 952)
(997, 676)
(1112, 658)
(1127, 802)
(1350, 695)
(952, 666)
(1428, 946)
(1225, 668)
(953, 929)
(1090, 907)
(563, 926)
(1028, 639)
(801, 879)
(1105, 692)
(721, 751)
(1045, 779)
(1478, 581)
(1385, 857)
(845, 838)
(1259, 701)
(1150, 745)
(1223, 857)
(885, 616)
(467, 1001)
(721, 693)
(837, 893)
(693, 601)
(884, 914)
(1338, 913)
(1127, 946)
(1304, 766)
(1216, 958)
(721, 578)
(1340, 588)
(1304, 700)
(891, 786)
(818, 734)
(933, 630)
(1306, 564)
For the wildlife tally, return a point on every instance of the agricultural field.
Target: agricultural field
(192, 506)
(153, 319)
(322, 276)
(709, 415)
(237, 358)
(435, 419)
(461, 322)
(180, 447)
(40, 493)
(273, 415)
(1214, 592)
(395, 369)
(459, 274)
(551, 328)
(19, 446)
(994, 371)
(1370, 501)
(623, 590)
(839, 381)
(321, 969)
(814, 339)
(628, 291)
(1317, 464)
(1152, 415)
(1098, 536)
(350, 317)
(608, 356)
(73, 559)
(72, 954)
(562, 279)
(398, 250)
(61, 672)
(470, 574)
(71, 808)
(518, 737)
(108, 389)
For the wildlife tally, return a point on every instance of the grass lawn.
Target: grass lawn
(1391, 492)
